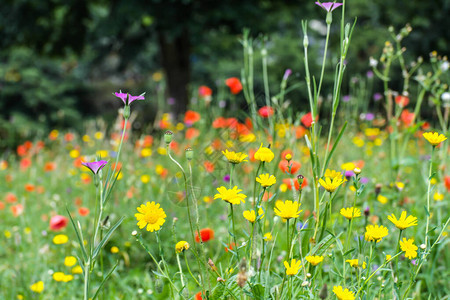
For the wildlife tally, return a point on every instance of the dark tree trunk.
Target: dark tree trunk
(175, 52)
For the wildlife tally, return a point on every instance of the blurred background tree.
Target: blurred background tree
(61, 59)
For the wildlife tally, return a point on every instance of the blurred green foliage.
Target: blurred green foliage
(56, 53)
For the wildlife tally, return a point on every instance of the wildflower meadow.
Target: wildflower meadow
(244, 194)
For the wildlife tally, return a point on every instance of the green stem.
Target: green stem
(428, 196)
(324, 59)
(189, 270)
(181, 270)
(234, 232)
(398, 249)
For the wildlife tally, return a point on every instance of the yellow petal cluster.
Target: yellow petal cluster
(234, 157)
(250, 215)
(293, 268)
(403, 222)
(350, 212)
(266, 180)
(355, 263)
(150, 215)
(264, 154)
(181, 246)
(288, 209)
(37, 287)
(409, 248)
(232, 196)
(343, 294)
(332, 180)
(375, 233)
(434, 138)
(314, 259)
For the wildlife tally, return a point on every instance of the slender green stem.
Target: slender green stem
(288, 241)
(180, 269)
(398, 249)
(87, 272)
(189, 269)
(234, 232)
(428, 196)
(324, 60)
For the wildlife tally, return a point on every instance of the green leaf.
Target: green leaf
(258, 291)
(217, 292)
(79, 236)
(104, 280)
(106, 238)
(335, 145)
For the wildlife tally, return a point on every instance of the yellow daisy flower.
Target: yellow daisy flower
(342, 294)
(60, 239)
(350, 212)
(230, 195)
(268, 237)
(70, 261)
(77, 270)
(250, 215)
(434, 138)
(314, 259)
(181, 246)
(150, 215)
(264, 154)
(403, 222)
(375, 233)
(331, 183)
(355, 263)
(114, 249)
(287, 209)
(266, 180)
(332, 174)
(409, 248)
(37, 287)
(234, 157)
(293, 268)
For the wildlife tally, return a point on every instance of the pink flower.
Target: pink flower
(127, 98)
(329, 6)
(266, 111)
(58, 222)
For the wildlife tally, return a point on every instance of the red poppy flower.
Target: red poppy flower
(234, 84)
(209, 166)
(83, 211)
(207, 234)
(284, 166)
(2, 205)
(232, 123)
(198, 296)
(220, 122)
(307, 120)
(287, 181)
(49, 166)
(22, 150)
(230, 247)
(407, 117)
(190, 117)
(25, 163)
(58, 222)
(447, 182)
(266, 111)
(29, 187)
(17, 210)
(401, 100)
(204, 91)
(192, 133)
(68, 137)
(10, 198)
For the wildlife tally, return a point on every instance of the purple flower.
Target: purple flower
(369, 74)
(301, 226)
(346, 98)
(364, 180)
(127, 98)
(226, 178)
(349, 174)
(171, 101)
(377, 97)
(287, 73)
(95, 166)
(370, 116)
(329, 6)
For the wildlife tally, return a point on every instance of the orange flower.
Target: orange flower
(230, 247)
(219, 122)
(40, 189)
(22, 150)
(2, 205)
(209, 166)
(204, 91)
(300, 131)
(401, 100)
(284, 166)
(83, 211)
(447, 182)
(25, 163)
(50, 166)
(190, 117)
(234, 84)
(17, 210)
(10, 198)
(198, 296)
(307, 120)
(29, 187)
(407, 117)
(192, 133)
(68, 137)
(287, 181)
(207, 234)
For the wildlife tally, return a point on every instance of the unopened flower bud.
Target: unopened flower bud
(423, 246)
(126, 112)
(220, 279)
(211, 264)
(305, 41)
(288, 157)
(305, 283)
(329, 18)
(308, 275)
(357, 171)
(189, 153)
(367, 211)
(168, 136)
(134, 233)
(378, 187)
(300, 179)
